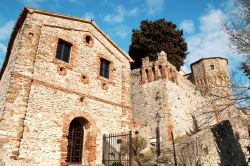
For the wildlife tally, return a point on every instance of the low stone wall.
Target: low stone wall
(226, 143)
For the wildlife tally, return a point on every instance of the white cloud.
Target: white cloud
(32, 3)
(121, 31)
(3, 49)
(121, 12)
(155, 6)
(118, 17)
(6, 29)
(210, 41)
(89, 15)
(134, 12)
(187, 26)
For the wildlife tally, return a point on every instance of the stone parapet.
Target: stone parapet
(158, 69)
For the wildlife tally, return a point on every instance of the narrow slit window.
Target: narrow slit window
(153, 70)
(161, 72)
(104, 68)
(146, 73)
(212, 67)
(63, 51)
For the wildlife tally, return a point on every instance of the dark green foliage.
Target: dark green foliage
(157, 36)
(205, 150)
(117, 164)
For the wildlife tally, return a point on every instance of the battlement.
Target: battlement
(159, 69)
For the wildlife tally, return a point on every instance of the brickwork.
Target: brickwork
(90, 142)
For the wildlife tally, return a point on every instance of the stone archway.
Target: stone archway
(90, 136)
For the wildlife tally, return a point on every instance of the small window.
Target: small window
(104, 68)
(63, 51)
(212, 67)
(88, 39)
(119, 141)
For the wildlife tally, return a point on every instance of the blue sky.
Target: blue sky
(200, 20)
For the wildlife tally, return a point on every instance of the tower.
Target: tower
(211, 77)
(209, 73)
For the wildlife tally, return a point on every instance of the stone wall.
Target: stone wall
(183, 106)
(47, 94)
(185, 101)
(16, 99)
(175, 103)
(147, 99)
(226, 143)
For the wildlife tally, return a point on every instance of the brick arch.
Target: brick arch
(90, 144)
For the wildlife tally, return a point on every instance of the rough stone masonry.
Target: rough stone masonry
(41, 95)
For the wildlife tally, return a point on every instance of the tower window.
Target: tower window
(104, 68)
(212, 67)
(63, 51)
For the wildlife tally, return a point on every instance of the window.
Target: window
(104, 68)
(212, 67)
(119, 141)
(63, 51)
(88, 39)
(161, 71)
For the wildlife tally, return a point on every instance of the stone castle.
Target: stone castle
(63, 77)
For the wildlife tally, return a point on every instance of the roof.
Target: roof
(23, 16)
(207, 59)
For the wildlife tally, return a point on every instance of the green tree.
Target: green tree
(138, 144)
(157, 36)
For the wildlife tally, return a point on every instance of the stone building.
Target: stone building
(61, 74)
(64, 84)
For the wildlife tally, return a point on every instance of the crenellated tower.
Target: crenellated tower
(159, 69)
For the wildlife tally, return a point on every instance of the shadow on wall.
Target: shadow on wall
(228, 146)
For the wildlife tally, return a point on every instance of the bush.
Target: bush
(117, 164)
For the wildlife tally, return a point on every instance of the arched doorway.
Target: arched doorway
(75, 141)
(87, 155)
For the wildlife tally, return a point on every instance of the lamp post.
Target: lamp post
(158, 150)
(175, 160)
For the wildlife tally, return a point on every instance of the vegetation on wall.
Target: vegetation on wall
(138, 144)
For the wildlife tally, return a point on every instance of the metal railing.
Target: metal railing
(117, 149)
